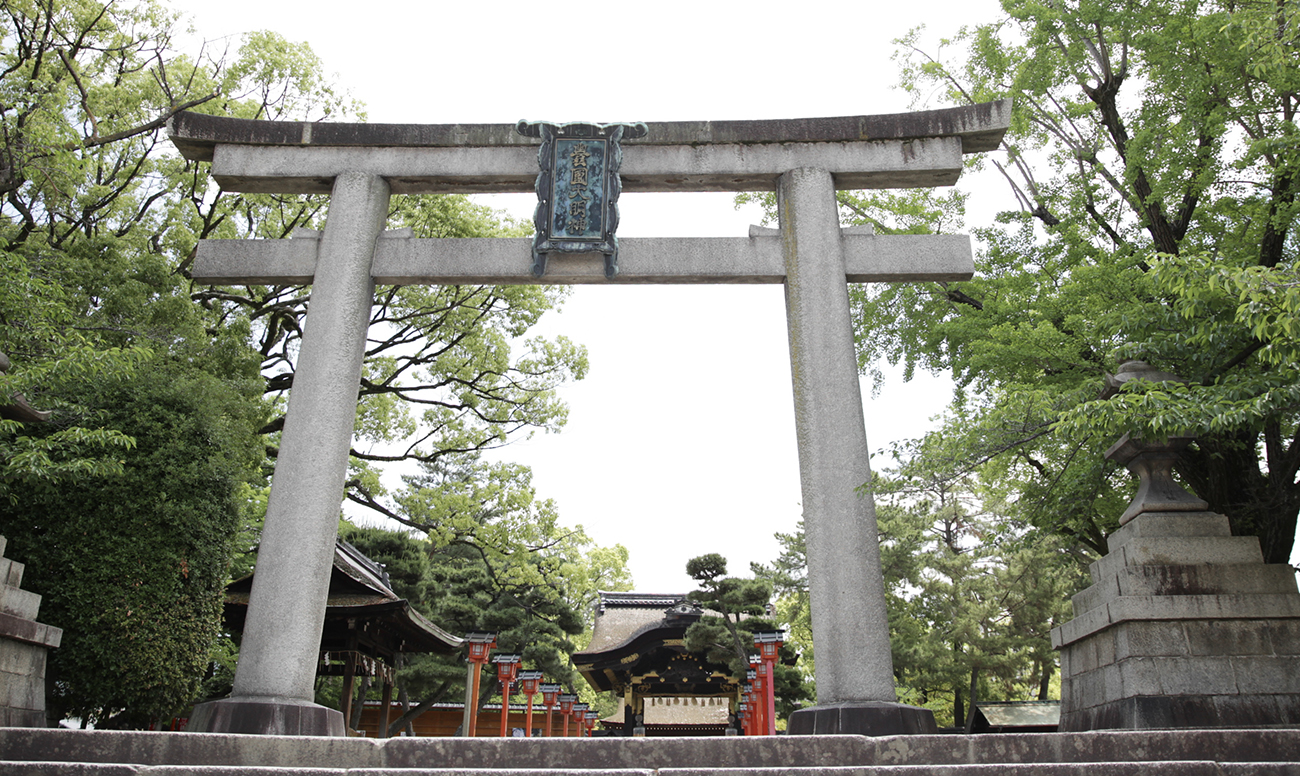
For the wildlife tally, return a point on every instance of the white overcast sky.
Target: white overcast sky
(681, 439)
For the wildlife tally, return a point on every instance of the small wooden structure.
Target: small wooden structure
(1017, 717)
(637, 651)
(366, 625)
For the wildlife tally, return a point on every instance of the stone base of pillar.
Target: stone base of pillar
(266, 716)
(862, 718)
(1185, 627)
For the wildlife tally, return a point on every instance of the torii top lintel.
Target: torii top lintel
(900, 150)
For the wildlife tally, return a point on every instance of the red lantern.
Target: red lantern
(480, 645)
(550, 694)
(592, 717)
(769, 645)
(566, 710)
(528, 681)
(579, 716)
(507, 668)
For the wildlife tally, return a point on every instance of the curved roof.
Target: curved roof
(359, 590)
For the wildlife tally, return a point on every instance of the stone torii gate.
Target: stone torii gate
(361, 165)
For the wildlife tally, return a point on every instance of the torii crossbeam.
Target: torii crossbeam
(361, 165)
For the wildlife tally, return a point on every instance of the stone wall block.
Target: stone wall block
(17, 692)
(1205, 579)
(1158, 524)
(1110, 686)
(21, 659)
(1288, 709)
(1248, 710)
(1096, 595)
(1106, 646)
(1237, 637)
(11, 573)
(1196, 675)
(1283, 636)
(1267, 674)
(1192, 550)
(1139, 676)
(1169, 524)
(1137, 638)
(19, 602)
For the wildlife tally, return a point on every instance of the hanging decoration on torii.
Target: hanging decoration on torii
(578, 188)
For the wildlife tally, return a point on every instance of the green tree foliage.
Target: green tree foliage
(529, 590)
(972, 593)
(1155, 160)
(99, 220)
(736, 609)
(133, 564)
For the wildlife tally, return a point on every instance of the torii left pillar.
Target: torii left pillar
(274, 688)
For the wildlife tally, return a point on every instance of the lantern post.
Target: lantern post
(742, 714)
(480, 646)
(507, 668)
(769, 649)
(566, 710)
(579, 716)
(759, 684)
(592, 717)
(550, 694)
(528, 681)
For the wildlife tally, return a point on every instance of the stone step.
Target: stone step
(1133, 768)
(846, 755)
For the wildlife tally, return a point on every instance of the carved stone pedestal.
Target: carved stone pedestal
(23, 647)
(1185, 627)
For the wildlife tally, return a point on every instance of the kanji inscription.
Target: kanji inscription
(577, 189)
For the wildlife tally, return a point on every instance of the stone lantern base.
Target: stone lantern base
(1185, 627)
(24, 644)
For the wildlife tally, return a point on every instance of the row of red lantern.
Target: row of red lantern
(530, 683)
(757, 709)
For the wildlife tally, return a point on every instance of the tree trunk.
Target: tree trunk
(970, 713)
(1225, 471)
(359, 704)
(1048, 667)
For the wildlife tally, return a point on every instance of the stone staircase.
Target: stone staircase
(44, 752)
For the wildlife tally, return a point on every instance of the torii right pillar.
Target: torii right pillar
(855, 671)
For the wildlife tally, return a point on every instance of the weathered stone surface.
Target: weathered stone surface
(1158, 524)
(645, 260)
(980, 128)
(23, 604)
(1184, 626)
(278, 653)
(846, 588)
(23, 649)
(862, 719)
(1121, 750)
(916, 163)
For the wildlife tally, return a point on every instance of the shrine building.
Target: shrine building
(638, 652)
